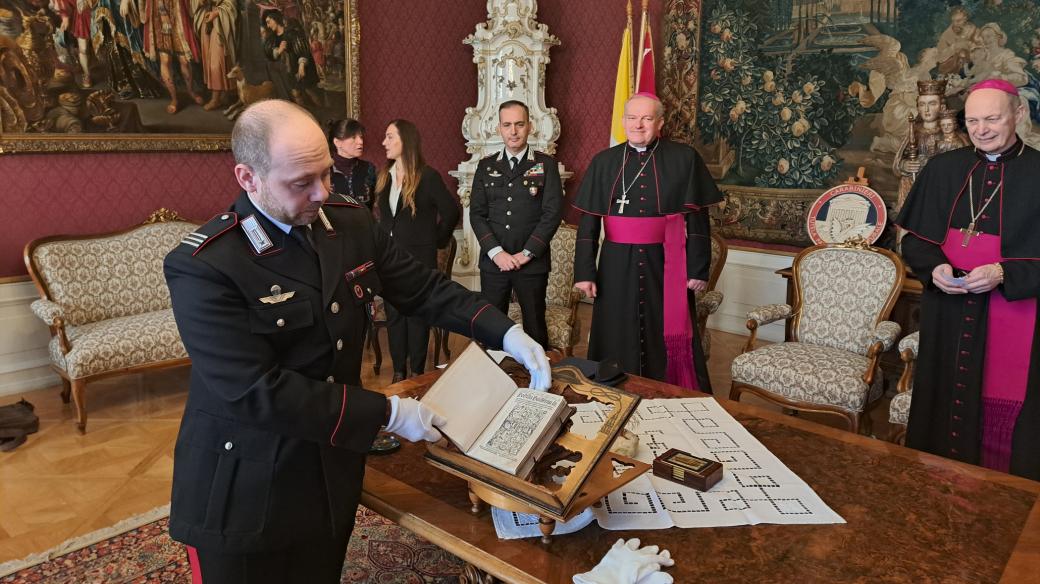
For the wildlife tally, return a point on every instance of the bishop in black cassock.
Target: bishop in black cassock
(977, 211)
(653, 182)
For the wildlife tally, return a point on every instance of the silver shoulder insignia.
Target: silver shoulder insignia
(256, 235)
(277, 295)
(195, 239)
(350, 199)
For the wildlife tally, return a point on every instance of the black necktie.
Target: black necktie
(513, 161)
(301, 233)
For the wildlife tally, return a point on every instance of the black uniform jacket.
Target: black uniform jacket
(518, 209)
(272, 444)
(436, 215)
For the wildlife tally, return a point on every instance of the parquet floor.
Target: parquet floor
(61, 485)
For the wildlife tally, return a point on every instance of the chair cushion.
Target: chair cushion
(899, 409)
(561, 334)
(809, 373)
(119, 343)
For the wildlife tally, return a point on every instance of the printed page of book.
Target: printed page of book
(469, 394)
(509, 439)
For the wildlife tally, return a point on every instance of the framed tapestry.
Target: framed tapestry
(146, 75)
(786, 98)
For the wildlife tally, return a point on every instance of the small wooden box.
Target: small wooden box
(687, 469)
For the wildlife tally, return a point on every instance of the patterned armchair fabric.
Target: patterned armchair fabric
(899, 409)
(844, 290)
(842, 296)
(106, 301)
(561, 300)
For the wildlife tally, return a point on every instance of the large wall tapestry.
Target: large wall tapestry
(101, 75)
(785, 98)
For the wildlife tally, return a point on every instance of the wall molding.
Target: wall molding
(24, 360)
(747, 281)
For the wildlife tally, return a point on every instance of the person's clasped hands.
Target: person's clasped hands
(980, 280)
(530, 354)
(627, 563)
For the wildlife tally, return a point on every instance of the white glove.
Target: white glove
(530, 354)
(627, 563)
(413, 421)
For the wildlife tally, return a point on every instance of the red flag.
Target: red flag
(646, 70)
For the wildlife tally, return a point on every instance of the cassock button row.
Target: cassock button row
(330, 379)
(509, 212)
(510, 199)
(954, 434)
(280, 322)
(339, 344)
(334, 307)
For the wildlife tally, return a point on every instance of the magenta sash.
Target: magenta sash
(1009, 342)
(670, 231)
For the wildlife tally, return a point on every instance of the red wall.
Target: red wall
(413, 65)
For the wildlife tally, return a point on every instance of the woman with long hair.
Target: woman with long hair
(420, 214)
(351, 176)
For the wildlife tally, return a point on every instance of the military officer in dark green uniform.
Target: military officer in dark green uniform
(515, 207)
(269, 299)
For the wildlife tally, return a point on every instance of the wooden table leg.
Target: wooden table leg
(474, 575)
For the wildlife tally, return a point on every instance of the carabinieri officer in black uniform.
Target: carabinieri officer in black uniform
(515, 207)
(269, 299)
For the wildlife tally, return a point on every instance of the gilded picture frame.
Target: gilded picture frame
(47, 92)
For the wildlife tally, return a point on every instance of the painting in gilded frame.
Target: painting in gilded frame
(786, 98)
(146, 75)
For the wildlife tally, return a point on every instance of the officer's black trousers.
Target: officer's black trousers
(409, 339)
(530, 289)
(315, 562)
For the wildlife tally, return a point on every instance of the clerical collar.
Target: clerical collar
(649, 146)
(1012, 152)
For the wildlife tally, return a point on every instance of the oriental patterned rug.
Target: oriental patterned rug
(140, 550)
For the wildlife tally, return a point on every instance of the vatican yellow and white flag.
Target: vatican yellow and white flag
(622, 84)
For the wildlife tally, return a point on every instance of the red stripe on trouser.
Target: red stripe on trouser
(196, 569)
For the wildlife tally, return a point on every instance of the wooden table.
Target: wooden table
(911, 517)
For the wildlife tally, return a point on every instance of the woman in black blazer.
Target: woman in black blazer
(415, 207)
(351, 175)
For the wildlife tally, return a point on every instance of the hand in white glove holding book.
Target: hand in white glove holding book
(413, 421)
(530, 354)
(627, 563)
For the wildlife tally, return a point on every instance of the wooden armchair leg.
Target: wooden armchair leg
(79, 396)
(373, 343)
(66, 391)
(445, 333)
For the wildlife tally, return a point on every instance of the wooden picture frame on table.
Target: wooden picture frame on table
(68, 83)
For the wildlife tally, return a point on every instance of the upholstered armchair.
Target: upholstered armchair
(842, 296)
(899, 409)
(709, 300)
(561, 299)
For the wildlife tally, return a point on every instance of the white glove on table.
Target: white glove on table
(627, 563)
(413, 421)
(530, 354)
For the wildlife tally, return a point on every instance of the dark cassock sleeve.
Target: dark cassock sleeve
(245, 372)
(1021, 279)
(552, 207)
(698, 245)
(478, 211)
(928, 206)
(447, 207)
(416, 290)
(922, 256)
(586, 247)
(701, 190)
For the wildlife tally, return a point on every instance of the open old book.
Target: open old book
(492, 420)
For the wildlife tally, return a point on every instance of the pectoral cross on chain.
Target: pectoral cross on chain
(968, 234)
(621, 203)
